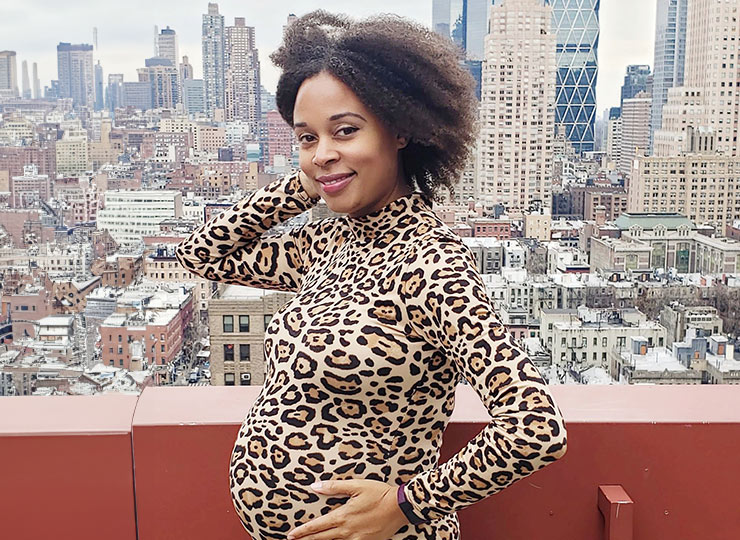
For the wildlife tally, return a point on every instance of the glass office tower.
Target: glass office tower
(576, 23)
(670, 55)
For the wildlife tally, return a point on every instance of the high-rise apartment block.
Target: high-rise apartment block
(25, 81)
(517, 116)
(213, 58)
(36, 82)
(75, 72)
(8, 74)
(614, 138)
(242, 75)
(670, 56)
(576, 23)
(161, 74)
(279, 141)
(635, 130)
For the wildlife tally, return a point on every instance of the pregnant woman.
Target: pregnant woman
(389, 312)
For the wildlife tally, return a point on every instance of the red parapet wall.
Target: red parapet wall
(77, 467)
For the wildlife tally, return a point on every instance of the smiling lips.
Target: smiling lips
(333, 178)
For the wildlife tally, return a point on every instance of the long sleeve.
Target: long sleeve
(447, 305)
(231, 248)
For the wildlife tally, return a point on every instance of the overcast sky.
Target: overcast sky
(33, 28)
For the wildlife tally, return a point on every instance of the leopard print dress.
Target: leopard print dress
(389, 314)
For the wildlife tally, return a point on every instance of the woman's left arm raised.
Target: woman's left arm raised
(447, 305)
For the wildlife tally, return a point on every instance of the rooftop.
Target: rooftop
(180, 440)
(649, 221)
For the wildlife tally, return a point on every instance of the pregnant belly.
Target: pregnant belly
(272, 468)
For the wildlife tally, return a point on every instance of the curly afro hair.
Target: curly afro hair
(408, 76)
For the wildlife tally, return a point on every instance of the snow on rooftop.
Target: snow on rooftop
(597, 375)
(722, 363)
(238, 292)
(657, 359)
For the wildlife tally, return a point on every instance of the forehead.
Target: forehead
(323, 96)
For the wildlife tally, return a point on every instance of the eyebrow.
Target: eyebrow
(333, 118)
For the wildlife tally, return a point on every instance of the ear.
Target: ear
(401, 141)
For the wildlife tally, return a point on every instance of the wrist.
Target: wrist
(405, 507)
(397, 517)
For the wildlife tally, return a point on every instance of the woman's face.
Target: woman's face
(338, 136)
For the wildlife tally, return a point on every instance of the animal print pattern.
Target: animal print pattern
(389, 314)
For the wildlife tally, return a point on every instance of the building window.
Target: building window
(243, 353)
(162, 348)
(268, 318)
(120, 350)
(228, 323)
(228, 353)
(228, 379)
(621, 341)
(120, 338)
(244, 323)
(245, 379)
(120, 362)
(603, 342)
(660, 342)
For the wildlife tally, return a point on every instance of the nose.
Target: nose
(325, 153)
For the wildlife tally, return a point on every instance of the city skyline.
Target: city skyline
(126, 38)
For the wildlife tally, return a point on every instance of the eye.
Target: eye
(302, 138)
(349, 130)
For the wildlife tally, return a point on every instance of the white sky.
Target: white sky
(33, 28)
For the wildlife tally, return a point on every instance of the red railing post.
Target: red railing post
(618, 509)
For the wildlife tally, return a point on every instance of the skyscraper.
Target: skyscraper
(8, 74)
(441, 17)
(36, 82)
(638, 79)
(186, 69)
(99, 94)
(635, 130)
(242, 75)
(670, 55)
(25, 81)
(576, 23)
(193, 96)
(167, 45)
(161, 74)
(114, 91)
(75, 72)
(708, 97)
(213, 58)
(463, 21)
(517, 116)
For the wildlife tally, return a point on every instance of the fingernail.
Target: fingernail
(316, 485)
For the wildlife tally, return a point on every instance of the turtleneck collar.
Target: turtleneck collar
(393, 214)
